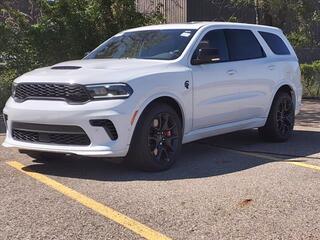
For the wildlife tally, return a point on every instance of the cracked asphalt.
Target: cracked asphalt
(234, 186)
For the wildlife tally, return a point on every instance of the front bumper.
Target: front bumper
(62, 113)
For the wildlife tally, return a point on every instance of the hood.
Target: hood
(93, 71)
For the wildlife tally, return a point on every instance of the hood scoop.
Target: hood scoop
(66, 67)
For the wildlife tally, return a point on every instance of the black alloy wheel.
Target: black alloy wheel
(163, 137)
(157, 139)
(285, 116)
(281, 119)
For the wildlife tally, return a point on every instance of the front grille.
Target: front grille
(50, 134)
(68, 92)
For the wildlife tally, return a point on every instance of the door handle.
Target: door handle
(271, 67)
(232, 72)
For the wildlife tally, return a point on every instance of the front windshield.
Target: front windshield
(151, 44)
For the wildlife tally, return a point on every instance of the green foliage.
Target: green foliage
(311, 79)
(299, 19)
(5, 85)
(300, 39)
(69, 28)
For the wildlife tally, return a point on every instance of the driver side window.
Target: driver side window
(213, 48)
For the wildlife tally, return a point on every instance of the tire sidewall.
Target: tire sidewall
(139, 152)
(272, 120)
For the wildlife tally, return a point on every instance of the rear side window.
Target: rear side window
(275, 43)
(243, 45)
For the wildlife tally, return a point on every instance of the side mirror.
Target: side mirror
(206, 56)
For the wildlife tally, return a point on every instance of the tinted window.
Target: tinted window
(215, 40)
(243, 45)
(275, 43)
(151, 44)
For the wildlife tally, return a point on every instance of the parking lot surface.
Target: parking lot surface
(234, 186)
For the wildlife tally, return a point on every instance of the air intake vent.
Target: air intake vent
(50, 134)
(108, 127)
(65, 67)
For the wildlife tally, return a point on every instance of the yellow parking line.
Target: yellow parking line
(107, 212)
(262, 156)
(305, 165)
(253, 154)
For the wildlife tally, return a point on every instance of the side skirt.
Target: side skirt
(222, 129)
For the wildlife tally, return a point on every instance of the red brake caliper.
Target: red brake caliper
(167, 133)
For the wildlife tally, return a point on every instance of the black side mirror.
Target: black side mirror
(205, 56)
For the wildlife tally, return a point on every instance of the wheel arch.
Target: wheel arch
(169, 99)
(284, 87)
(287, 89)
(166, 99)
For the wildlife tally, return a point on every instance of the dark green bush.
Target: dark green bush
(6, 78)
(311, 79)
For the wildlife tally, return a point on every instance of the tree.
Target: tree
(298, 18)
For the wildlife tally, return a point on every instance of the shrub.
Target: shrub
(311, 79)
(6, 76)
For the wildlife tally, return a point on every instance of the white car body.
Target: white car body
(222, 97)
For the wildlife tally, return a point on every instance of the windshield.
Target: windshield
(152, 44)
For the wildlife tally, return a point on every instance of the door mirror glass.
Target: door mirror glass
(206, 56)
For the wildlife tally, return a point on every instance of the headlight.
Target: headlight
(109, 91)
(13, 89)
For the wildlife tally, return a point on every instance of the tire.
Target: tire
(280, 122)
(157, 139)
(44, 156)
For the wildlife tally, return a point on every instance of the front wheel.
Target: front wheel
(280, 122)
(156, 142)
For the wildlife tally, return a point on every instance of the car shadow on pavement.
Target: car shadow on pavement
(309, 115)
(198, 160)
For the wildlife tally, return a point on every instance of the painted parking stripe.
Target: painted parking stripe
(107, 212)
(262, 156)
(306, 165)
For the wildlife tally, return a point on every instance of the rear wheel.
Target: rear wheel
(280, 122)
(156, 142)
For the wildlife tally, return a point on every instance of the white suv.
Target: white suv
(145, 91)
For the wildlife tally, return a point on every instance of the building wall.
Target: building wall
(218, 10)
(175, 11)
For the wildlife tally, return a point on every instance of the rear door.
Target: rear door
(234, 88)
(256, 73)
